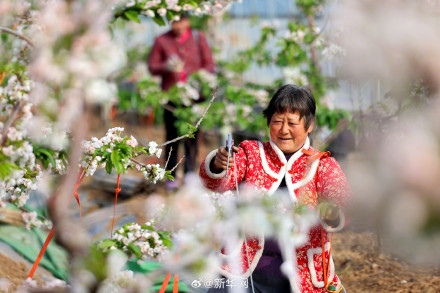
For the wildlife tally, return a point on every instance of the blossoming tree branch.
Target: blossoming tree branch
(41, 96)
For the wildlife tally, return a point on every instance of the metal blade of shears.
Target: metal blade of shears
(229, 147)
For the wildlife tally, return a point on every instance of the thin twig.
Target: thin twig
(169, 108)
(15, 33)
(143, 165)
(173, 140)
(169, 156)
(137, 162)
(13, 117)
(183, 157)
(214, 94)
(26, 210)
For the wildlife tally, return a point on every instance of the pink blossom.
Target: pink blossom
(132, 142)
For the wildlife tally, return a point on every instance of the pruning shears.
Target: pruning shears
(229, 144)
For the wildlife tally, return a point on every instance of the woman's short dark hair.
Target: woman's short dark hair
(295, 99)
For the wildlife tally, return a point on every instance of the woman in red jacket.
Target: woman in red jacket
(311, 177)
(176, 55)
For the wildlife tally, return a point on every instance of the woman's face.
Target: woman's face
(180, 27)
(288, 131)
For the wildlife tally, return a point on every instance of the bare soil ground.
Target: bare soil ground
(362, 267)
(15, 272)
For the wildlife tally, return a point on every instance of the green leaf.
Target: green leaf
(6, 168)
(169, 15)
(116, 161)
(166, 239)
(124, 148)
(135, 249)
(133, 15)
(192, 128)
(193, 3)
(49, 158)
(148, 227)
(164, 234)
(143, 267)
(321, 117)
(63, 157)
(114, 157)
(308, 39)
(108, 166)
(167, 242)
(333, 122)
(159, 20)
(96, 263)
(106, 243)
(119, 168)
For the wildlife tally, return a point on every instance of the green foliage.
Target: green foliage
(133, 248)
(6, 168)
(128, 238)
(310, 7)
(159, 20)
(96, 263)
(132, 15)
(236, 106)
(298, 49)
(134, 12)
(199, 22)
(117, 155)
(330, 118)
(8, 53)
(46, 156)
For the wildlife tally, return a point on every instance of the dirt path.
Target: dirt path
(15, 273)
(363, 268)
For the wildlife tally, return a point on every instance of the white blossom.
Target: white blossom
(162, 11)
(332, 50)
(148, 241)
(152, 147)
(131, 3)
(187, 7)
(150, 13)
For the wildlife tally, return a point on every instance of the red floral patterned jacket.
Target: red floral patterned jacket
(264, 165)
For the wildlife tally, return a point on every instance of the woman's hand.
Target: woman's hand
(328, 211)
(175, 64)
(220, 161)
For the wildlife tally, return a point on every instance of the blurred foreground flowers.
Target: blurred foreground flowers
(395, 175)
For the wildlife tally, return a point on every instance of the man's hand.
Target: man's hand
(220, 161)
(327, 211)
(175, 64)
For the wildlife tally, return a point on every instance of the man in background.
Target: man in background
(175, 55)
